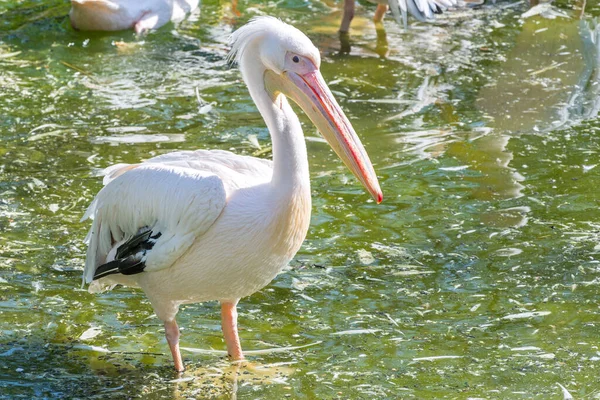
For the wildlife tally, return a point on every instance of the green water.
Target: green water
(477, 277)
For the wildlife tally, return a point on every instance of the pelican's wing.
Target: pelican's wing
(422, 10)
(221, 162)
(150, 213)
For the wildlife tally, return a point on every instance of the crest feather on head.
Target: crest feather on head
(276, 31)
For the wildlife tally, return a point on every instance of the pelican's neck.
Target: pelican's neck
(290, 162)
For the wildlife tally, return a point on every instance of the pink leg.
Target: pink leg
(380, 13)
(234, 8)
(348, 15)
(172, 334)
(230, 331)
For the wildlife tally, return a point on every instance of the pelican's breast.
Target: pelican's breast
(290, 223)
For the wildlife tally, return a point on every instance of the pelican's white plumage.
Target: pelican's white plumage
(116, 15)
(220, 226)
(128, 203)
(422, 10)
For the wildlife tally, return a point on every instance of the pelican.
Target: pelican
(116, 15)
(423, 10)
(194, 226)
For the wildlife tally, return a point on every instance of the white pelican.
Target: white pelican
(193, 226)
(116, 15)
(422, 10)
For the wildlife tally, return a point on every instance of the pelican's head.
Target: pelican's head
(289, 64)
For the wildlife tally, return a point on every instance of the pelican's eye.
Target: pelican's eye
(298, 63)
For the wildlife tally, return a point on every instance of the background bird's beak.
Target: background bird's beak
(311, 93)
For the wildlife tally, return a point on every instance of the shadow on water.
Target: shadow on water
(81, 371)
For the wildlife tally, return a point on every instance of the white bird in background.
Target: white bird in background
(116, 15)
(193, 226)
(423, 10)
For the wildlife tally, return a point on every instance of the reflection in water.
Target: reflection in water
(584, 101)
(550, 81)
(382, 48)
(540, 72)
(491, 158)
(345, 47)
(121, 93)
(425, 144)
(427, 95)
(480, 149)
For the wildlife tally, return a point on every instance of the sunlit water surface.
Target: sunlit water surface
(478, 276)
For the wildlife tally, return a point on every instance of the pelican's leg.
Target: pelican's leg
(380, 13)
(172, 334)
(234, 8)
(582, 4)
(348, 15)
(230, 331)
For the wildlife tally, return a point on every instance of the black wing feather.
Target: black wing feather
(130, 257)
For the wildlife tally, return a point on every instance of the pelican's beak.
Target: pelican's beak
(311, 93)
